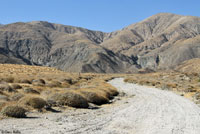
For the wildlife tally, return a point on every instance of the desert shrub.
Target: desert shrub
(69, 98)
(130, 80)
(93, 97)
(82, 80)
(172, 85)
(6, 87)
(34, 102)
(16, 97)
(197, 95)
(88, 77)
(25, 81)
(38, 82)
(65, 85)
(16, 86)
(14, 111)
(8, 79)
(108, 94)
(68, 80)
(4, 98)
(75, 80)
(1, 92)
(165, 87)
(54, 84)
(111, 91)
(190, 90)
(31, 90)
(2, 104)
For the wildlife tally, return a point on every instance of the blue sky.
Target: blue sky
(103, 15)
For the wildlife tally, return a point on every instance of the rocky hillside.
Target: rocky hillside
(159, 42)
(65, 47)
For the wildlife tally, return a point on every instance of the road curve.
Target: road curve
(154, 111)
(143, 110)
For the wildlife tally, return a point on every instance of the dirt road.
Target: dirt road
(142, 110)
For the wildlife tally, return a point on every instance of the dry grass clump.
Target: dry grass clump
(6, 87)
(67, 80)
(4, 98)
(31, 90)
(7, 79)
(2, 104)
(38, 82)
(16, 97)
(34, 102)
(69, 98)
(65, 85)
(1, 92)
(27, 81)
(109, 89)
(16, 86)
(54, 84)
(94, 96)
(14, 111)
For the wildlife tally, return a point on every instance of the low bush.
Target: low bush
(130, 80)
(2, 104)
(31, 90)
(112, 91)
(16, 86)
(65, 85)
(54, 84)
(4, 98)
(68, 80)
(34, 102)
(14, 111)
(38, 82)
(6, 87)
(16, 97)
(69, 98)
(25, 81)
(93, 97)
(8, 79)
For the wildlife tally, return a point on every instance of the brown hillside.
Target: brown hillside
(191, 66)
(161, 41)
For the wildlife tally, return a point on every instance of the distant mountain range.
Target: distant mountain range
(162, 41)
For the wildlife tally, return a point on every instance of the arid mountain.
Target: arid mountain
(159, 42)
(65, 47)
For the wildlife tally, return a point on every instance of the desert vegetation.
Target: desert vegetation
(32, 88)
(184, 83)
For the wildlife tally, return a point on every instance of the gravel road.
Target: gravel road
(141, 110)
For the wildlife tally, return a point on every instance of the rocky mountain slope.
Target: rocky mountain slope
(159, 42)
(65, 47)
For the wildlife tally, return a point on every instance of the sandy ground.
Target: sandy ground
(142, 110)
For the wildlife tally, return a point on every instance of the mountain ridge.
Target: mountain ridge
(161, 41)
